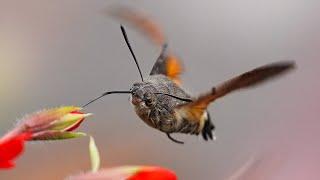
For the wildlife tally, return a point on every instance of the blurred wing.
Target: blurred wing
(167, 64)
(139, 21)
(252, 78)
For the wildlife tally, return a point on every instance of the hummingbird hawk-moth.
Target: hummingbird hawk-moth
(161, 102)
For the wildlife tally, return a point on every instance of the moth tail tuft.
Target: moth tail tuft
(208, 129)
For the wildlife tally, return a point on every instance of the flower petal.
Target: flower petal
(94, 155)
(69, 135)
(154, 173)
(6, 165)
(11, 148)
(56, 135)
(130, 173)
(69, 121)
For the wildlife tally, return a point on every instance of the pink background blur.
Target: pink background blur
(66, 52)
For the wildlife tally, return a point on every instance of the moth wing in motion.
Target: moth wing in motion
(139, 21)
(167, 64)
(195, 111)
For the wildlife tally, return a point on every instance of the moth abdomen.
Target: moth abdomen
(189, 125)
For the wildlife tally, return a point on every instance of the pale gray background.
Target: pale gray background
(65, 52)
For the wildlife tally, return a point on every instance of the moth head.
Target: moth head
(143, 94)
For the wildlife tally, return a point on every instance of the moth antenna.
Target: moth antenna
(124, 33)
(176, 97)
(174, 140)
(104, 94)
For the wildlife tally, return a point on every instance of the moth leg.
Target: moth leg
(174, 140)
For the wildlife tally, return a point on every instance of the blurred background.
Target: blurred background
(59, 52)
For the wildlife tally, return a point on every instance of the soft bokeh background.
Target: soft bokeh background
(66, 52)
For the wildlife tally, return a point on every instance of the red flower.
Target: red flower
(10, 148)
(154, 173)
(130, 173)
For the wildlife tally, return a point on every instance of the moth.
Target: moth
(161, 102)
